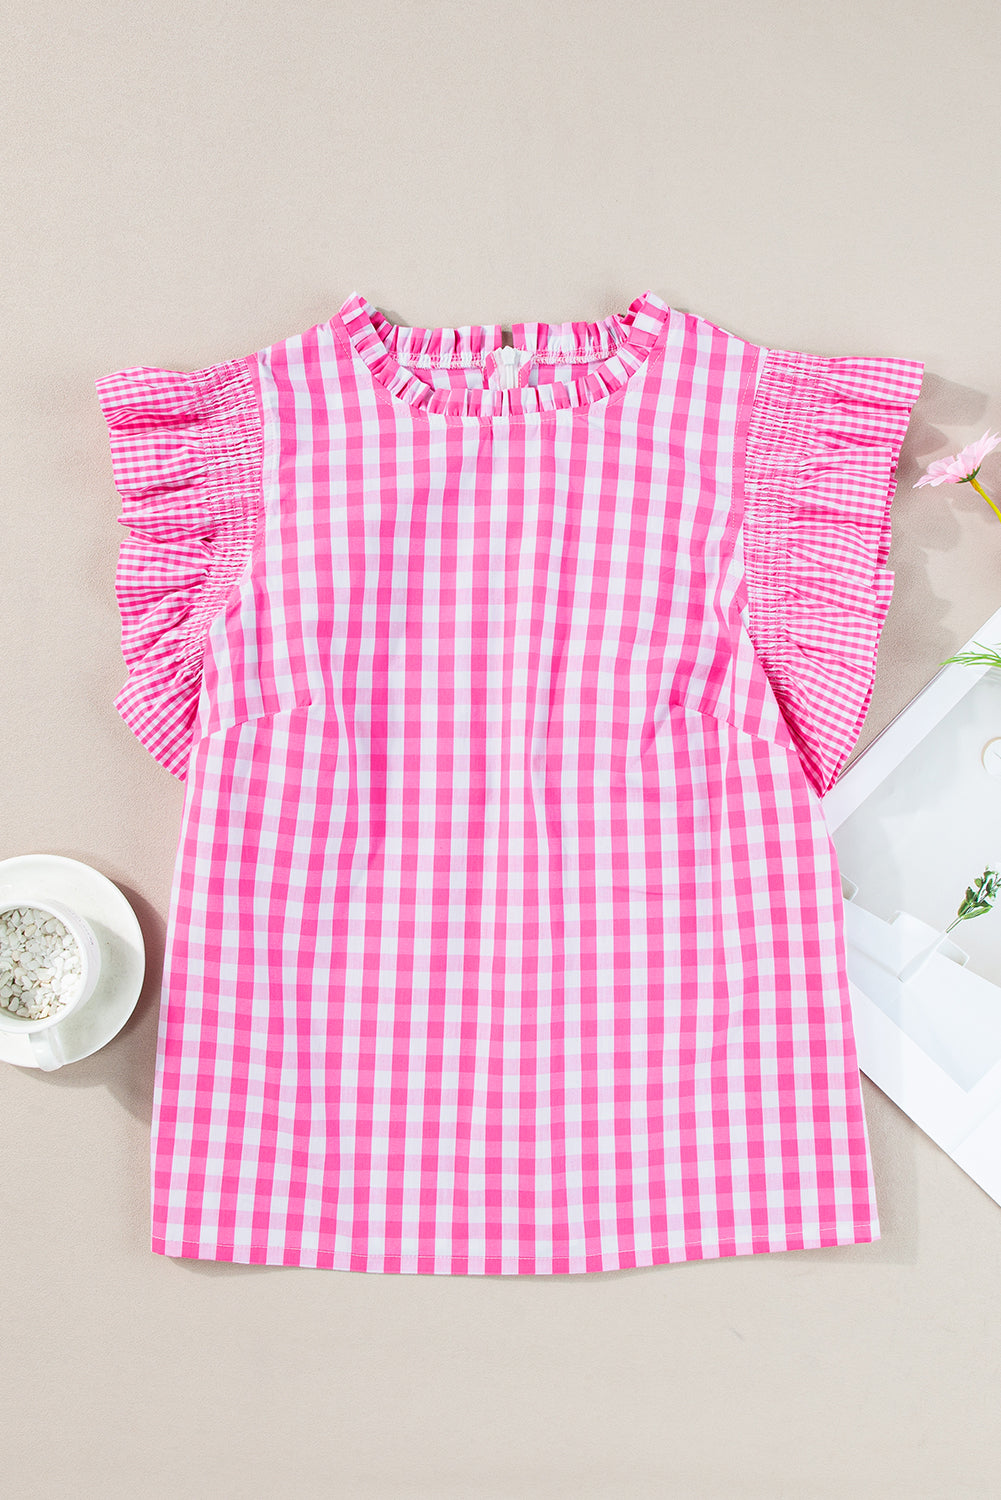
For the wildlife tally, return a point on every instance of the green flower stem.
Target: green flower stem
(984, 496)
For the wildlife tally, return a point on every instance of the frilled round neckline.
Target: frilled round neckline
(622, 342)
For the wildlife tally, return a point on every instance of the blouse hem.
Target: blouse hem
(857, 1232)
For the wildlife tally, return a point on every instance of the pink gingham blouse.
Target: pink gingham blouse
(506, 931)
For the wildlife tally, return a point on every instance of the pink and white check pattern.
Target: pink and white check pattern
(506, 933)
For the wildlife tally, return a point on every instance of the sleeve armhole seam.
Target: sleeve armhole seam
(229, 566)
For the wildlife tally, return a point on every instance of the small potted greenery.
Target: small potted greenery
(979, 898)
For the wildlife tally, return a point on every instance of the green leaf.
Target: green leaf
(979, 656)
(980, 896)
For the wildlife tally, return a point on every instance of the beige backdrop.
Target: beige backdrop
(187, 183)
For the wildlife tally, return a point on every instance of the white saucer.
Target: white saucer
(30, 877)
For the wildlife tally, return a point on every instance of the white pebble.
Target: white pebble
(40, 963)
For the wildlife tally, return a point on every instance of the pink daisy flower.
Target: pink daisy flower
(963, 466)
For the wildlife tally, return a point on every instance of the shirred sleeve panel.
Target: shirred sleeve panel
(823, 443)
(187, 458)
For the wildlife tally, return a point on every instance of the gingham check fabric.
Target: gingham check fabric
(506, 932)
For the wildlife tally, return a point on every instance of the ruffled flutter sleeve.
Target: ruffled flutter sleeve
(187, 455)
(823, 443)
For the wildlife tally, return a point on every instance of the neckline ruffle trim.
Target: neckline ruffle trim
(623, 342)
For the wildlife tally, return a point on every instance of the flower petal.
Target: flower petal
(958, 467)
